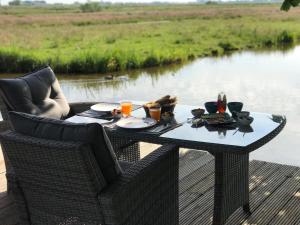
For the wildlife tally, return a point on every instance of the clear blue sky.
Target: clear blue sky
(4, 2)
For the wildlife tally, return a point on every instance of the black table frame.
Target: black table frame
(231, 168)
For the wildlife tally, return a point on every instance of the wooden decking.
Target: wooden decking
(274, 193)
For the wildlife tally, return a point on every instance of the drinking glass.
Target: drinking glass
(126, 108)
(155, 113)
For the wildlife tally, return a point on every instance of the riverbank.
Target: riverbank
(128, 37)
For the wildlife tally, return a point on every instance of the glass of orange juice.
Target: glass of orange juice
(126, 108)
(155, 113)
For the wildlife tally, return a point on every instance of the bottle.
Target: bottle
(222, 102)
(219, 102)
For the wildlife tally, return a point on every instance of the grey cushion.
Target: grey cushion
(37, 93)
(60, 130)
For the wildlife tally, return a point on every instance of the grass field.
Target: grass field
(128, 37)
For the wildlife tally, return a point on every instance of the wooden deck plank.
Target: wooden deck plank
(186, 156)
(260, 180)
(194, 177)
(2, 182)
(275, 202)
(198, 198)
(2, 164)
(262, 192)
(289, 214)
(274, 193)
(297, 223)
(190, 162)
(259, 171)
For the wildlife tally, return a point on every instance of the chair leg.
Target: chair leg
(246, 208)
(231, 185)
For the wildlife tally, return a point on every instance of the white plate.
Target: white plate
(136, 123)
(82, 119)
(104, 107)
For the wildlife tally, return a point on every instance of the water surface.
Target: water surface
(265, 82)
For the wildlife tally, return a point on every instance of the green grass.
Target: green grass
(123, 37)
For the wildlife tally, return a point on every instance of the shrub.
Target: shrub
(227, 46)
(15, 2)
(90, 7)
(268, 42)
(214, 52)
(285, 38)
(151, 61)
(211, 3)
(13, 62)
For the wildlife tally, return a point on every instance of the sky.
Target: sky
(4, 2)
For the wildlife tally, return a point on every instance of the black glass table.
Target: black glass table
(229, 145)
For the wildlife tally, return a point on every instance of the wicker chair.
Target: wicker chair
(45, 78)
(60, 183)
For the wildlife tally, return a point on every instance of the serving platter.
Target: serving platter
(218, 119)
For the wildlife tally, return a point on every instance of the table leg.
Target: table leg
(231, 185)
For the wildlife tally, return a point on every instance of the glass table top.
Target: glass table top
(240, 137)
(262, 125)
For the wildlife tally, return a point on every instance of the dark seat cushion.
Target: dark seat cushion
(60, 130)
(38, 93)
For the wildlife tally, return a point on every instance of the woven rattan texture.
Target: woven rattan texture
(58, 179)
(60, 183)
(231, 185)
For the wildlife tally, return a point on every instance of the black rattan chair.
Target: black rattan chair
(59, 182)
(39, 93)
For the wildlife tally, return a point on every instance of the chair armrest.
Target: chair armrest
(146, 190)
(78, 107)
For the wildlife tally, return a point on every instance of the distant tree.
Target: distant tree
(91, 7)
(15, 2)
(287, 4)
(211, 3)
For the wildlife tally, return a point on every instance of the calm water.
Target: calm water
(265, 82)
